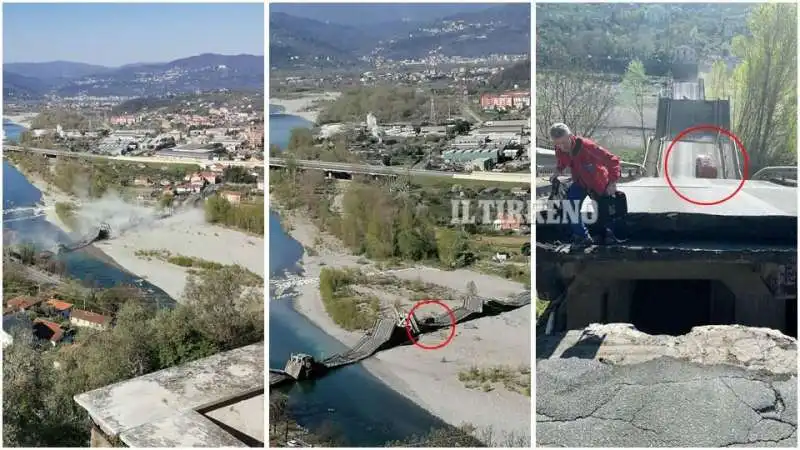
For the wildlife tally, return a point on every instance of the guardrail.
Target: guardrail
(629, 171)
(776, 172)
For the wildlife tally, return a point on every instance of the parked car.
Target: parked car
(705, 167)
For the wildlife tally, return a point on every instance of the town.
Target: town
(133, 225)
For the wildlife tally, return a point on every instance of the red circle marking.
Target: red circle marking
(452, 324)
(715, 129)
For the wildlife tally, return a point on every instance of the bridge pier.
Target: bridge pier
(300, 366)
(404, 319)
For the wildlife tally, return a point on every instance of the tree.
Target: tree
(453, 248)
(574, 96)
(764, 85)
(225, 310)
(634, 92)
(718, 84)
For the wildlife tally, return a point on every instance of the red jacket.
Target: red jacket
(593, 167)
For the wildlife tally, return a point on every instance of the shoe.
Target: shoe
(611, 238)
(582, 241)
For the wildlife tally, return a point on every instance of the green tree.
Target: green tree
(635, 90)
(453, 248)
(718, 85)
(764, 99)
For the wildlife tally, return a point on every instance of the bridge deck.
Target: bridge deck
(757, 198)
(383, 329)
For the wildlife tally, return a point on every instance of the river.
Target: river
(18, 192)
(360, 407)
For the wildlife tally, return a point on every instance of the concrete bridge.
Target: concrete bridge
(684, 264)
(53, 153)
(390, 332)
(350, 169)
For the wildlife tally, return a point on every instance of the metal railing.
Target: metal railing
(776, 172)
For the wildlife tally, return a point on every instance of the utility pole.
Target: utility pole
(433, 109)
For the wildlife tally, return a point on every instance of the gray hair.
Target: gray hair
(559, 130)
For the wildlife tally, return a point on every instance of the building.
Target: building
(508, 222)
(123, 120)
(88, 319)
(233, 197)
(47, 330)
(211, 402)
(191, 151)
(62, 308)
(466, 156)
(506, 100)
(23, 302)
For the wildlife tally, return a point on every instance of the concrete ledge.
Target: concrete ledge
(161, 409)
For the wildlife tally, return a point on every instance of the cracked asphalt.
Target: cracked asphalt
(664, 402)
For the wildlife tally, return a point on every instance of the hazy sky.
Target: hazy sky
(115, 34)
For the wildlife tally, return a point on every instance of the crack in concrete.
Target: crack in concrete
(766, 423)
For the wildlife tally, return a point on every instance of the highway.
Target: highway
(500, 177)
(134, 159)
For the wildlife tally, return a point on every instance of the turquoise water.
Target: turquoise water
(364, 410)
(18, 192)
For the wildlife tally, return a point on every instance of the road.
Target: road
(140, 159)
(757, 198)
(662, 403)
(467, 109)
(500, 177)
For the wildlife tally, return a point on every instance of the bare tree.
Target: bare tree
(574, 96)
(634, 89)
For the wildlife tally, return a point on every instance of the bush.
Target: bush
(348, 310)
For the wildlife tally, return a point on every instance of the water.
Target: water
(18, 192)
(366, 412)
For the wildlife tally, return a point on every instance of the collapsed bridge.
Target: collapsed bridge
(392, 332)
(683, 264)
(100, 233)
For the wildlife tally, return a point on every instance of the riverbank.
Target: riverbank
(23, 120)
(431, 378)
(186, 233)
(303, 106)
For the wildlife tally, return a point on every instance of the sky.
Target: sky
(114, 34)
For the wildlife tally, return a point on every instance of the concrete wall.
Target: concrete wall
(602, 292)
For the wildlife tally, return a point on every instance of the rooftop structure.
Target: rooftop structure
(470, 155)
(212, 402)
(194, 151)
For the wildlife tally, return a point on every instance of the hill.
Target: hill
(55, 71)
(610, 35)
(18, 87)
(297, 41)
(518, 74)
(474, 33)
(206, 72)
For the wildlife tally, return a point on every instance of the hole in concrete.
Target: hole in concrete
(671, 306)
(791, 317)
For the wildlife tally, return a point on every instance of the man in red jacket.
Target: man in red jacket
(595, 172)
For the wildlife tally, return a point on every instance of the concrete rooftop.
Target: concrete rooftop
(212, 402)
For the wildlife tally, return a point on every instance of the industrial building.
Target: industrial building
(463, 156)
(193, 151)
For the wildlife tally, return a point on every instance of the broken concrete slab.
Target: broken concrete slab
(621, 343)
(613, 386)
